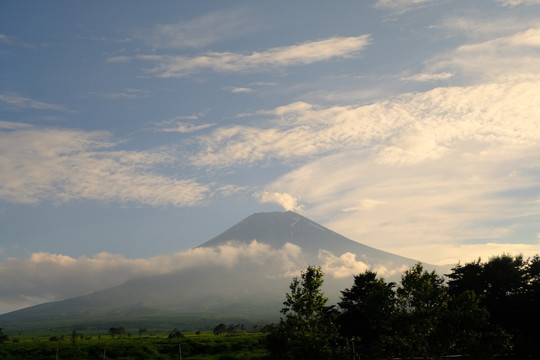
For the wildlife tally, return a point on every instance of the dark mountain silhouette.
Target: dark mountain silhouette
(247, 291)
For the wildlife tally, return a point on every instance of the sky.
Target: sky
(133, 131)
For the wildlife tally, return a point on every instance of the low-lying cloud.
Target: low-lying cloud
(47, 277)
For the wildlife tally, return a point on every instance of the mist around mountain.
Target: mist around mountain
(242, 277)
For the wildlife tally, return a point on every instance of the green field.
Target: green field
(205, 346)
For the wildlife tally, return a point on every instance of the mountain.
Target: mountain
(248, 286)
(279, 228)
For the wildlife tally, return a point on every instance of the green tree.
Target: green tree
(176, 334)
(3, 337)
(467, 327)
(504, 287)
(422, 304)
(308, 329)
(367, 311)
(220, 329)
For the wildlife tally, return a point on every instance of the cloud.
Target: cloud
(201, 31)
(16, 102)
(47, 277)
(59, 165)
(518, 2)
(119, 59)
(183, 124)
(167, 66)
(478, 28)
(451, 254)
(238, 90)
(492, 60)
(125, 94)
(429, 77)
(409, 129)
(184, 127)
(342, 266)
(287, 201)
(5, 39)
(400, 5)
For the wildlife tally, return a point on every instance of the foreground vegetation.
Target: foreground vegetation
(200, 346)
(485, 309)
(480, 311)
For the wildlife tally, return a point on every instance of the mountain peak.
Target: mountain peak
(274, 228)
(278, 228)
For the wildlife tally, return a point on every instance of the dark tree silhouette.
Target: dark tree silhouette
(220, 329)
(367, 309)
(309, 329)
(3, 337)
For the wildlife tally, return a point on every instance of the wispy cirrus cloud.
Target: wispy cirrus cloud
(492, 59)
(238, 90)
(201, 31)
(167, 66)
(5, 39)
(183, 127)
(183, 124)
(58, 165)
(425, 77)
(518, 2)
(17, 102)
(400, 5)
(124, 94)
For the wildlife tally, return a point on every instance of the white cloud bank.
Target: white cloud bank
(167, 66)
(47, 277)
(59, 165)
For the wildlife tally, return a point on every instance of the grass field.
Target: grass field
(205, 346)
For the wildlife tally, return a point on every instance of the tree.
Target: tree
(309, 329)
(467, 277)
(422, 303)
(503, 285)
(176, 334)
(367, 309)
(117, 331)
(531, 306)
(3, 337)
(220, 329)
(467, 325)
(141, 331)
(74, 335)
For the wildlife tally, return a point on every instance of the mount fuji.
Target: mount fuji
(244, 280)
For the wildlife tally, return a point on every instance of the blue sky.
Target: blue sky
(132, 131)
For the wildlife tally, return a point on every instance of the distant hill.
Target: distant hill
(247, 291)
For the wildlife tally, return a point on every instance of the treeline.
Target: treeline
(479, 310)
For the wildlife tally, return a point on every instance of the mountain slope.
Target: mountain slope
(278, 228)
(268, 249)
